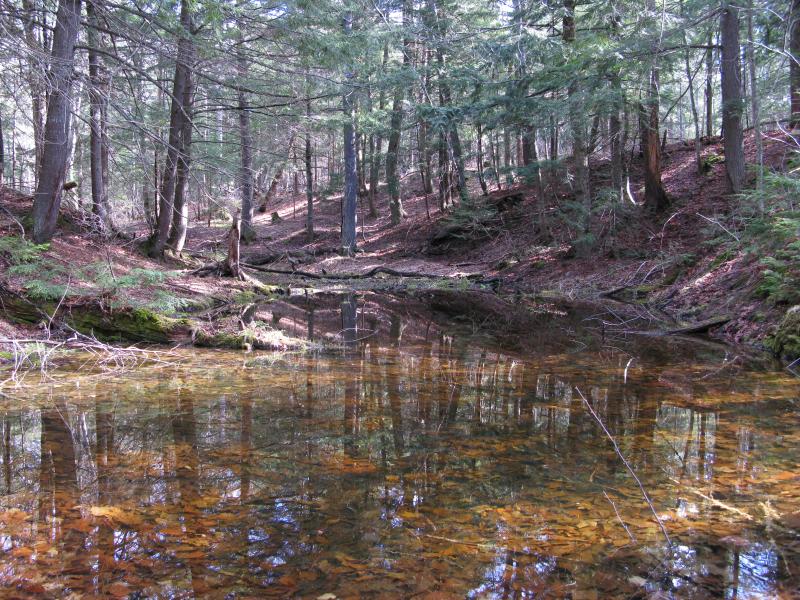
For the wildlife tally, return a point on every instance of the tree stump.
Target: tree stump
(232, 260)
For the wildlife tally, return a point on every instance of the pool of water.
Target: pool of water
(420, 448)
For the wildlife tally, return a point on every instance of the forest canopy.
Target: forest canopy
(174, 112)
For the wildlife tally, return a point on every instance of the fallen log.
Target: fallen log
(701, 327)
(371, 273)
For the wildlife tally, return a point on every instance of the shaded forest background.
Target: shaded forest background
(160, 121)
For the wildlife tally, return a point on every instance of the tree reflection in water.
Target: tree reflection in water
(415, 457)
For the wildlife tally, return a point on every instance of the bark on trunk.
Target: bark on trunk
(98, 147)
(693, 103)
(579, 157)
(794, 64)
(481, 176)
(710, 86)
(232, 258)
(655, 197)
(350, 198)
(246, 142)
(37, 95)
(180, 208)
(309, 181)
(178, 114)
(53, 168)
(732, 104)
(377, 150)
(754, 104)
(2, 154)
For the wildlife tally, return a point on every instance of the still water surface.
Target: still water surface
(423, 456)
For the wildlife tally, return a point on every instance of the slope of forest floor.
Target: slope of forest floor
(687, 266)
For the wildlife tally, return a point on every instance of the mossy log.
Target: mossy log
(91, 317)
(785, 342)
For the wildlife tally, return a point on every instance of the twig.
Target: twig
(714, 501)
(625, 527)
(627, 466)
(720, 225)
(13, 218)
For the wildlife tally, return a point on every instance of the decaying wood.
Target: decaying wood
(371, 273)
(234, 237)
(701, 327)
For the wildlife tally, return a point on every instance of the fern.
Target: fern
(21, 251)
(45, 290)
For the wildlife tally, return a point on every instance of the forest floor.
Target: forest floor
(685, 266)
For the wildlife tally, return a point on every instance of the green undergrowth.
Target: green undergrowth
(773, 239)
(45, 280)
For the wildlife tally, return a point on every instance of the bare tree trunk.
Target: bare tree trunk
(710, 86)
(2, 155)
(52, 171)
(693, 103)
(98, 147)
(309, 180)
(377, 148)
(615, 133)
(246, 142)
(392, 178)
(481, 177)
(794, 65)
(530, 158)
(444, 172)
(37, 94)
(180, 206)
(580, 159)
(655, 197)
(350, 198)
(177, 115)
(232, 258)
(731, 97)
(272, 190)
(751, 59)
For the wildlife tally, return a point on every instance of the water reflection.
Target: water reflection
(418, 458)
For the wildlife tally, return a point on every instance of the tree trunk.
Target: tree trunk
(794, 65)
(177, 116)
(731, 97)
(37, 94)
(232, 258)
(377, 150)
(2, 154)
(615, 133)
(246, 141)
(751, 59)
(693, 103)
(579, 157)
(52, 171)
(655, 197)
(180, 206)
(710, 86)
(444, 172)
(530, 158)
(309, 180)
(350, 198)
(481, 177)
(98, 147)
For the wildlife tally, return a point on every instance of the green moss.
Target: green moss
(235, 341)
(136, 324)
(721, 259)
(785, 342)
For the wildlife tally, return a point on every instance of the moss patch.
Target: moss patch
(785, 342)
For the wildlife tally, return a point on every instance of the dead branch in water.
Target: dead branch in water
(627, 466)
